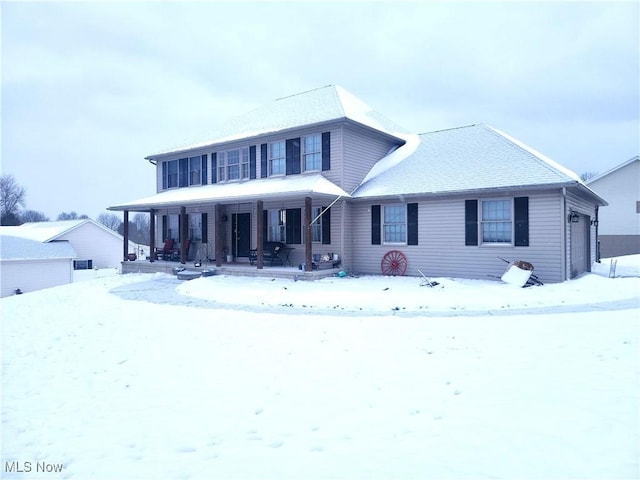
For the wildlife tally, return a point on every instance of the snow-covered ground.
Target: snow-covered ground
(147, 377)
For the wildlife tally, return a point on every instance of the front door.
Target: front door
(240, 234)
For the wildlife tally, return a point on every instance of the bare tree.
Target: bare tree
(110, 220)
(12, 197)
(33, 216)
(588, 175)
(142, 226)
(71, 216)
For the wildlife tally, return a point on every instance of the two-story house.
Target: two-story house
(324, 173)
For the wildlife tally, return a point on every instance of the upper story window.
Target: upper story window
(195, 170)
(276, 158)
(496, 221)
(312, 152)
(233, 164)
(184, 172)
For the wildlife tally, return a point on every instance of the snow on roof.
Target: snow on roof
(295, 185)
(20, 248)
(44, 231)
(49, 231)
(307, 108)
(474, 157)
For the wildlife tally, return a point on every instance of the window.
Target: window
(276, 225)
(233, 164)
(82, 264)
(312, 152)
(175, 173)
(195, 227)
(496, 221)
(316, 227)
(195, 169)
(171, 180)
(394, 228)
(283, 225)
(276, 158)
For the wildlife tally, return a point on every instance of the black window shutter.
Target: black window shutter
(412, 223)
(263, 162)
(293, 227)
(326, 226)
(205, 228)
(164, 228)
(164, 175)
(183, 172)
(375, 225)
(292, 149)
(471, 222)
(265, 227)
(252, 161)
(521, 218)
(326, 151)
(204, 169)
(214, 167)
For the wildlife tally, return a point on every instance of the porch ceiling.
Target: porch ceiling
(250, 190)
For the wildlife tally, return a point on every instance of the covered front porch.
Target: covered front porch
(229, 229)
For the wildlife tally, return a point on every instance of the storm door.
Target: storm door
(240, 234)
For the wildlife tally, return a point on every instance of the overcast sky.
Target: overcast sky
(90, 89)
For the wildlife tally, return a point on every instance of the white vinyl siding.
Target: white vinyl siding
(32, 275)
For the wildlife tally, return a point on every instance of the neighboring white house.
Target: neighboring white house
(28, 265)
(619, 222)
(96, 246)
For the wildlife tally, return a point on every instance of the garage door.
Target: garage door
(580, 251)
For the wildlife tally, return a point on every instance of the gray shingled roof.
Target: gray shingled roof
(303, 109)
(475, 157)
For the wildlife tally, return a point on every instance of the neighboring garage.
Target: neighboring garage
(28, 265)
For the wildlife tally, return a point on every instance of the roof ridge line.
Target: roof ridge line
(302, 93)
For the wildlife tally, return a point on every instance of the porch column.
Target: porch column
(308, 266)
(152, 235)
(125, 234)
(260, 233)
(184, 232)
(218, 237)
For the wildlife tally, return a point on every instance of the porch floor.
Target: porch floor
(236, 269)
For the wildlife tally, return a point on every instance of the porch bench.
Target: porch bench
(271, 253)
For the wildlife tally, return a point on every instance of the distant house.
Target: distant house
(325, 174)
(29, 265)
(619, 222)
(96, 246)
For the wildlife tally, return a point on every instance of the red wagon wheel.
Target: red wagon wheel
(394, 263)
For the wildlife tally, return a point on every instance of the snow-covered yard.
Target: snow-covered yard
(147, 377)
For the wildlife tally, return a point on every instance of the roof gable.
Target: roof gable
(475, 157)
(326, 104)
(614, 169)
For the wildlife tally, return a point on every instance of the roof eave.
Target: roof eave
(482, 191)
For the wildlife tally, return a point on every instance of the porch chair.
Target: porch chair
(165, 250)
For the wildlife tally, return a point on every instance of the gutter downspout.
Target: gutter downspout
(563, 234)
(597, 240)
